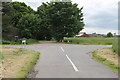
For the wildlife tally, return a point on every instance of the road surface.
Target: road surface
(67, 61)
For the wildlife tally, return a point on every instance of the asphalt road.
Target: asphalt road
(67, 61)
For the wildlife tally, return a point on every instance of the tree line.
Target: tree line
(51, 20)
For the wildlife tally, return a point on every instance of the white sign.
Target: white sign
(23, 41)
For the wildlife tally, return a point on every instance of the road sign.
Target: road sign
(23, 41)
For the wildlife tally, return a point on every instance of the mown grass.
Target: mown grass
(18, 62)
(90, 40)
(105, 61)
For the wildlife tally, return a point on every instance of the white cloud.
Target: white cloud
(100, 15)
(33, 3)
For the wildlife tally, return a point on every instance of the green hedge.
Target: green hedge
(8, 42)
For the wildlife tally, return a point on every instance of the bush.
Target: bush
(20, 40)
(6, 42)
(53, 39)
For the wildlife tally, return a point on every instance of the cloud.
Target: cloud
(33, 3)
(100, 15)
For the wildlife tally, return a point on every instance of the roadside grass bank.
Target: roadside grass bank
(18, 62)
(90, 40)
(19, 41)
(116, 46)
(107, 57)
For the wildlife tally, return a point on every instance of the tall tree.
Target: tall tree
(20, 9)
(65, 19)
(12, 13)
(8, 30)
(45, 32)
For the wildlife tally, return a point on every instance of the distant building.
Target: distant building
(84, 34)
(96, 35)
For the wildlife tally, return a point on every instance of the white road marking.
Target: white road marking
(62, 49)
(75, 68)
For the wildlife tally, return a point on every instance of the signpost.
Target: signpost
(24, 42)
(16, 38)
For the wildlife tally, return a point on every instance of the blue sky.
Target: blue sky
(100, 16)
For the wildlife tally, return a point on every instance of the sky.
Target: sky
(100, 16)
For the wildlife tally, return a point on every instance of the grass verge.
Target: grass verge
(108, 58)
(18, 62)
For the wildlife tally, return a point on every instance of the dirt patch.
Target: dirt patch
(108, 54)
(17, 62)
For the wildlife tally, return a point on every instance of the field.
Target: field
(17, 62)
(90, 40)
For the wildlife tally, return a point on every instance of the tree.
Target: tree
(8, 31)
(28, 26)
(109, 34)
(12, 13)
(45, 32)
(54, 19)
(20, 9)
(65, 19)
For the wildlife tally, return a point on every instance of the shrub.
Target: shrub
(6, 42)
(20, 40)
(53, 39)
